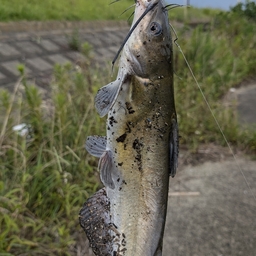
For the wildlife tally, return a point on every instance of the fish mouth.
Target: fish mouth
(143, 5)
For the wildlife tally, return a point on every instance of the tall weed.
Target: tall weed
(45, 174)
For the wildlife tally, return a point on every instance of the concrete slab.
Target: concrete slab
(28, 47)
(58, 58)
(2, 76)
(7, 50)
(40, 64)
(247, 105)
(105, 53)
(12, 67)
(62, 41)
(219, 219)
(49, 45)
(76, 56)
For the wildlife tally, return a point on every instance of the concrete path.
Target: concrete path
(211, 211)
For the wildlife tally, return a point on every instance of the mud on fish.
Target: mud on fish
(140, 150)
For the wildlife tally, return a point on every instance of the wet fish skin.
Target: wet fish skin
(141, 147)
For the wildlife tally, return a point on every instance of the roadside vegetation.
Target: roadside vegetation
(45, 173)
(16, 10)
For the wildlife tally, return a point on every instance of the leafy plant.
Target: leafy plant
(45, 174)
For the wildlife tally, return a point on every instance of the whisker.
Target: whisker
(127, 10)
(172, 6)
(131, 16)
(115, 2)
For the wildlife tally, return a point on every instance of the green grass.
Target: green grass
(47, 175)
(16, 10)
(221, 58)
(192, 14)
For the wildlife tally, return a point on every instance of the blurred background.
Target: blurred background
(55, 55)
(225, 5)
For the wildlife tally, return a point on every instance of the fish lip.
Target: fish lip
(144, 4)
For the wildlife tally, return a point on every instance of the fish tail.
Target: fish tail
(94, 218)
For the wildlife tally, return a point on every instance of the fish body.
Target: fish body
(140, 150)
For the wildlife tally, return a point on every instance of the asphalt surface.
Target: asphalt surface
(211, 210)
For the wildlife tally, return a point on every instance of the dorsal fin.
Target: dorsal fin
(94, 218)
(96, 145)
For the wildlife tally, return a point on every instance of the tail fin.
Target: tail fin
(94, 218)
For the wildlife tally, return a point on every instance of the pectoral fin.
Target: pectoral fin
(107, 95)
(96, 145)
(174, 148)
(94, 218)
(106, 168)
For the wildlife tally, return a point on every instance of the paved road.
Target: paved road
(218, 217)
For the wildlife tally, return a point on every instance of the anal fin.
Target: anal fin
(106, 169)
(94, 218)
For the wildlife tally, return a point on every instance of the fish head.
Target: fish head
(150, 46)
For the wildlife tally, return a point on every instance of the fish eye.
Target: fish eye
(155, 28)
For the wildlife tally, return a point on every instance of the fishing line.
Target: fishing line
(213, 115)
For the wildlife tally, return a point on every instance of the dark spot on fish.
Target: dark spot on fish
(138, 157)
(125, 146)
(128, 127)
(129, 107)
(120, 188)
(120, 164)
(137, 145)
(108, 128)
(149, 122)
(112, 120)
(124, 182)
(121, 138)
(123, 243)
(115, 226)
(144, 42)
(138, 56)
(118, 180)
